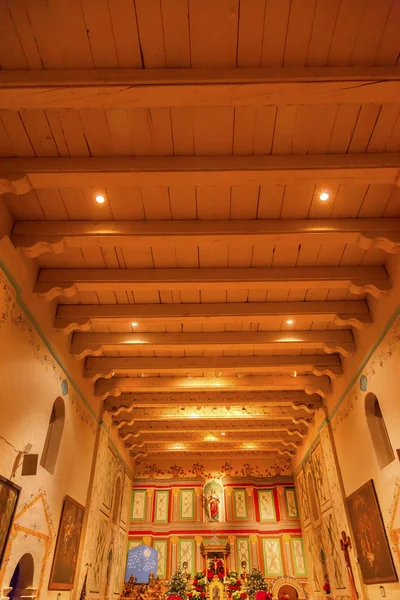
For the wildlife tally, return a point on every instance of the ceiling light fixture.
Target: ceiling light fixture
(100, 199)
(289, 321)
(134, 324)
(294, 373)
(219, 374)
(324, 196)
(223, 433)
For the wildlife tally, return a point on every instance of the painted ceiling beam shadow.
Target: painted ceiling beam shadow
(75, 317)
(68, 282)
(129, 402)
(311, 384)
(135, 88)
(21, 175)
(106, 367)
(331, 341)
(259, 423)
(38, 237)
(188, 453)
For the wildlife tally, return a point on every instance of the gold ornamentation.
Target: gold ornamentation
(286, 538)
(231, 539)
(253, 539)
(198, 539)
(175, 491)
(174, 540)
(198, 491)
(228, 491)
(150, 491)
(249, 491)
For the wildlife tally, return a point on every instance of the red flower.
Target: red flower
(210, 574)
(262, 595)
(189, 594)
(203, 594)
(243, 595)
(221, 575)
(199, 588)
(195, 582)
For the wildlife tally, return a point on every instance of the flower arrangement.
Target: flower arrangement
(176, 470)
(327, 588)
(235, 586)
(263, 595)
(198, 589)
(216, 567)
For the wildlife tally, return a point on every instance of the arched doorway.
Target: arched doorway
(288, 592)
(22, 579)
(288, 586)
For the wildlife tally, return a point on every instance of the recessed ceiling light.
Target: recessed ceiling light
(100, 199)
(134, 324)
(294, 373)
(289, 321)
(219, 374)
(324, 196)
(223, 433)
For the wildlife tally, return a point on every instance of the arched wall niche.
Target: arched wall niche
(21, 582)
(53, 439)
(378, 431)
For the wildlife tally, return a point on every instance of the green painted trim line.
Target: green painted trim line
(49, 347)
(350, 385)
(366, 359)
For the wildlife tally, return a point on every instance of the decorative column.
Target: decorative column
(288, 555)
(174, 554)
(199, 508)
(281, 501)
(147, 540)
(250, 504)
(175, 500)
(254, 551)
(232, 556)
(198, 539)
(228, 504)
(149, 511)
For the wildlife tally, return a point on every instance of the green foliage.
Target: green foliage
(255, 582)
(177, 585)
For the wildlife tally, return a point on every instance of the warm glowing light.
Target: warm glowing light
(294, 373)
(324, 196)
(193, 416)
(178, 447)
(100, 199)
(144, 375)
(223, 433)
(210, 438)
(219, 374)
(134, 324)
(189, 375)
(249, 446)
(289, 321)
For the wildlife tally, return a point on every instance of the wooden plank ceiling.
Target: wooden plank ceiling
(212, 296)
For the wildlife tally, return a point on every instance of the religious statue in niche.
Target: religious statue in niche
(213, 496)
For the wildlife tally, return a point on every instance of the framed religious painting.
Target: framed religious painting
(373, 549)
(9, 494)
(67, 546)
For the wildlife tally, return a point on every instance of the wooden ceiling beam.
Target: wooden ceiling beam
(202, 417)
(332, 341)
(67, 282)
(311, 384)
(37, 237)
(150, 88)
(21, 175)
(81, 317)
(106, 367)
(298, 400)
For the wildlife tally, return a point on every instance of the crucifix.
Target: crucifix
(345, 545)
